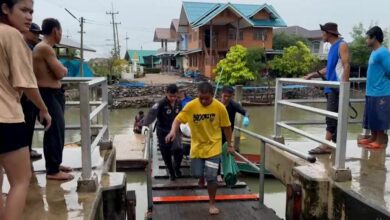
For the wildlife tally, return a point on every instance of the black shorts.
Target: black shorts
(12, 137)
(332, 105)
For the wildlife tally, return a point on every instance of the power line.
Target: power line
(114, 30)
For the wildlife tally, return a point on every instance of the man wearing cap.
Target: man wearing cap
(30, 111)
(337, 69)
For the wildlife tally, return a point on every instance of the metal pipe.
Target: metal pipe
(307, 135)
(278, 145)
(332, 84)
(262, 171)
(86, 169)
(322, 122)
(98, 110)
(310, 109)
(342, 125)
(149, 144)
(98, 138)
(277, 107)
(323, 100)
(77, 103)
(106, 115)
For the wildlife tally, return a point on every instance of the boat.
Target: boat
(248, 169)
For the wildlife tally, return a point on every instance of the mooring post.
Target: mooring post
(237, 134)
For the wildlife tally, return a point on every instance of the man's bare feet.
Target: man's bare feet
(61, 176)
(201, 182)
(66, 169)
(213, 210)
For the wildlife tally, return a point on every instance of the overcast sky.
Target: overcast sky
(139, 18)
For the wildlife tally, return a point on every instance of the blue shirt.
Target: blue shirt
(186, 100)
(378, 74)
(334, 67)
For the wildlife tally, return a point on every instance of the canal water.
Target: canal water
(121, 122)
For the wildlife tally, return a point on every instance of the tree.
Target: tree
(360, 53)
(255, 59)
(296, 61)
(282, 40)
(108, 67)
(233, 69)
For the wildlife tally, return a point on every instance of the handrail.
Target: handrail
(149, 154)
(261, 168)
(283, 147)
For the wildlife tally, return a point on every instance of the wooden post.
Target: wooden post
(237, 135)
(131, 204)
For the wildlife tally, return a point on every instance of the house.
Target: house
(145, 58)
(68, 52)
(170, 59)
(317, 45)
(208, 30)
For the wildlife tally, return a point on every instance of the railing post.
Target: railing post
(339, 172)
(105, 110)
(278, 111)
(86, 183)
(262, 171)
(149, 145)
(237, 133)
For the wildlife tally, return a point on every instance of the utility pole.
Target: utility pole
(127, 42)
(82, 46)
(81, 21)
(112, 13)
(117, 39)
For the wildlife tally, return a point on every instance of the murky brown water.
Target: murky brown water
(121, 122)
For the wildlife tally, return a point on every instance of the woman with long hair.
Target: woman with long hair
(16, 77)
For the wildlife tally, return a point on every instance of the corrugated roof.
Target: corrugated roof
(163, 34)
(140, 54)
(300, 31)
(199, 14)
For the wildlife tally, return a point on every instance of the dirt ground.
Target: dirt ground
(162, 78)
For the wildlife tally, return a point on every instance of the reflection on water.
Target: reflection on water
(121, 122)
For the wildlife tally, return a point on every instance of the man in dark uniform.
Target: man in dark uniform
(30, 111)
(232, 108)
(166, 111)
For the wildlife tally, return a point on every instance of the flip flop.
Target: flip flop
(213, 211)
(321, 150)
(375, 145)
(365, 141)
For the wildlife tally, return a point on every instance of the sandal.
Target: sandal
(365, 141)
(213, 210)
(322, 149)
(376, 145)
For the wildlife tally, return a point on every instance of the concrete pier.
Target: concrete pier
(130, 151)
(366, 196)
(50, 199)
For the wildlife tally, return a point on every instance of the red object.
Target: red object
(254, 158)
(173, 199)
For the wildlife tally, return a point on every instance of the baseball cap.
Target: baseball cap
(35, 28)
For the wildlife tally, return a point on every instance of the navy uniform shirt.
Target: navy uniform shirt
(165, 114)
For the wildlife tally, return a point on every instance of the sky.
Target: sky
(139, 18)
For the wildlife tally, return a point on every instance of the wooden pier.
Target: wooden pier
(185, 199)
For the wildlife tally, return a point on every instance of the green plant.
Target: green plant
(256, 60)
(234, 66)
(152, 70)
(296, 61)
(282, 40)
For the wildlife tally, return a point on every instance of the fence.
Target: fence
(340, 172)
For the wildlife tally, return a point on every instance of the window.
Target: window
(241, 37)
(259, 34)
(232, 34)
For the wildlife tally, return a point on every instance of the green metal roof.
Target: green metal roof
(199, 14)
(139, 54)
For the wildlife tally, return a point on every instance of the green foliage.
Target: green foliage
(282, 40)
(360, 53)
(256, 60)
(152, 70)
(296, 61)
(109, 67)
(234, 66)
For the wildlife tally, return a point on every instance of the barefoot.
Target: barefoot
(213, 210)
(66, 169)
(61, 176)
(201, 182)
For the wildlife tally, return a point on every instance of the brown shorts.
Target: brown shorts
(12, 137)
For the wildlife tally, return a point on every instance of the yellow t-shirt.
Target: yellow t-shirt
(205, 124)
(16, 71)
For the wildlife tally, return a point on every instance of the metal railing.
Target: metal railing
(91, 106)
(263, 144)
(341, 116)
(149, 156)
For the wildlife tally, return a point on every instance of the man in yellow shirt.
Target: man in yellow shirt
(205, 117)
